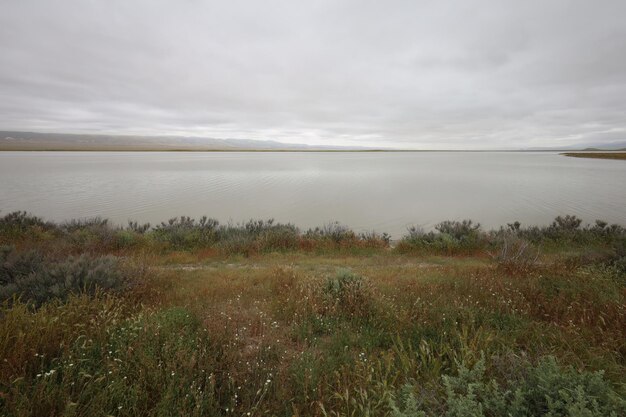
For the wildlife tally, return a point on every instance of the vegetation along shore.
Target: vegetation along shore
(599, 155)
(194, 318)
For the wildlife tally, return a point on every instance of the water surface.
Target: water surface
(382, 191)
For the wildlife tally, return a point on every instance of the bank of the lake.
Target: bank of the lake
(196, 318)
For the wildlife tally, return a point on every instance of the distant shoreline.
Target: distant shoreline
(309, 150)
(73, 142)
(597, 155)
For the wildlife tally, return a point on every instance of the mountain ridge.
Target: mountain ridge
(14, 140)
(40, 141)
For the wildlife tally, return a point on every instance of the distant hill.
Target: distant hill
(81, 142)
(34, 141)
(605, 149)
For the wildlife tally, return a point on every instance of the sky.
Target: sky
(397, 74)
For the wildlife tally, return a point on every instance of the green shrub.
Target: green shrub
(342, 284)
(31, 278)
(463, 230)
(334, 232)
(545, 390)
(184, 232)
(93, 234)
(258, 236)
(238, 243)
(14, 264)
(568, 229)
(450, 237)
(406, 404)
(279, 238)
(20, 221)
(20, 224)
(567, 223)
(256, 227)
(81, 224)
(135, 227)
(127, 238)
(374, 239)
(464, 236)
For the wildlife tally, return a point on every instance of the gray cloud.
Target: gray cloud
(418, 74)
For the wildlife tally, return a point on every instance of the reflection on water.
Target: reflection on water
(381, 191)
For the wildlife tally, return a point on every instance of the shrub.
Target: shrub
(92, 234)
(334, 232)
(258, 236)
(334, 236)
(14, 265)
(17, 224)
(515, 254)
(183, 232)
(31, 278)
(256, 227)
(451, 237)
(135, 227)
(462, 230)
(566, 224)
(545, 390)
(405, 404)
(21, 221)
(238, 243)
(81, 224)
(376, 240)
(568, 229)
(279, 237)
(126, 238)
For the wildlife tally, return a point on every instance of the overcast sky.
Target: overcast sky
(410, 74)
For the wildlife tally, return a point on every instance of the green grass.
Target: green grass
(333, 330)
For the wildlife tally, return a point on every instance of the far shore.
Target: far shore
(119, 149)
(599, 155)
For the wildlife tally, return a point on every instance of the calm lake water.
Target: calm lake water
(386, 192)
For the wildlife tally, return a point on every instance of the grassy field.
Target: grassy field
(600, 155)
(193, 318)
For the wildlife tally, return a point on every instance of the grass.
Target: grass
(519, 321)
(600, 155)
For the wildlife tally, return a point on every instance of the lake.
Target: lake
(381, 191)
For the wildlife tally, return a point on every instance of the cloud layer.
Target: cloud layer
(410, 74)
